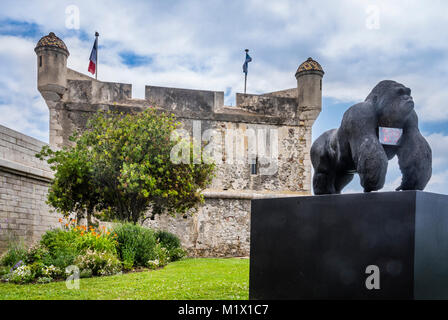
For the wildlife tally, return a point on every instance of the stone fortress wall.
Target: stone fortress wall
(24, 181)
(220, 227)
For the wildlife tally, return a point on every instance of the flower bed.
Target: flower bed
(93, 252)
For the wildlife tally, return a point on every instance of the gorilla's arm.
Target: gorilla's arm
(359, 127)
(371, 163)
(414, 157)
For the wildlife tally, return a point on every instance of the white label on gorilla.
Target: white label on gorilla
(390, 136)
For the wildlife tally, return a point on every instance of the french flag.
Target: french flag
(93, 57)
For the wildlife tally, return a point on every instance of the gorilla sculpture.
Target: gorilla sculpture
(355, 147)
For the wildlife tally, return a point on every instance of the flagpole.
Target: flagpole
(96, 69)
(245, 82)
(245, 75)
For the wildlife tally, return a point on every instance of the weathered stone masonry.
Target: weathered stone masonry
(24, 181)
(220, 227)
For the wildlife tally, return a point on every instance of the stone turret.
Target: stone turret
(309, 89)
(52, 57)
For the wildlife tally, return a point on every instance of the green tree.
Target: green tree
(72, 189)
(120, 167)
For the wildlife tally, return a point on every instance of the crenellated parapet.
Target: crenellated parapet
(71, 96)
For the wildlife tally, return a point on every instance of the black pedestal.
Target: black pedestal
(319, 247)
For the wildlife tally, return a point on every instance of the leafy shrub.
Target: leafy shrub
(128, 257)
(100, 263)
(16, 252)
(95, 252)
(61, 258)
(61, 245)
(4, 271)
(51, 271)
(135, 244)
(171, 242)
(22, 274)
(167, 239)
(85, 273)
(176, 254)
(36, 269)
(18, 264)
(161, 257)
(96, 242)
(44, 280)
(153, 264)
(36, 253)
(59, 240)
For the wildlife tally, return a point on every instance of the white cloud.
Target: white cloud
(438, 182)
(21, 107)
(439, 146)
(198, 44)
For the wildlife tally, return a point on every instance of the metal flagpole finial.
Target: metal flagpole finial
(97, 34)
(247, 50)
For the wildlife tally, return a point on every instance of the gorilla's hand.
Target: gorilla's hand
(415, 160)
(371, 164)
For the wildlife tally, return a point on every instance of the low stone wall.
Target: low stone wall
(220, 227)
(24, 181)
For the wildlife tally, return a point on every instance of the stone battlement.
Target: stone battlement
(89, 95)
(72, 96)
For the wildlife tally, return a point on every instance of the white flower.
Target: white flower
(50, 271)
(21, 273)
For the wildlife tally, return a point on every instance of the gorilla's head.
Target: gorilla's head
(392, 101)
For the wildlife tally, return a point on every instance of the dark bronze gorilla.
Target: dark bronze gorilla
(355, 147)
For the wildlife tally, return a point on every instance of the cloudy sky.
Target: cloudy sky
(200, 45)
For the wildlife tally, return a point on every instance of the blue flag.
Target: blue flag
(245, 65)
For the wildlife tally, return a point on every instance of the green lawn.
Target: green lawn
(204, 278)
